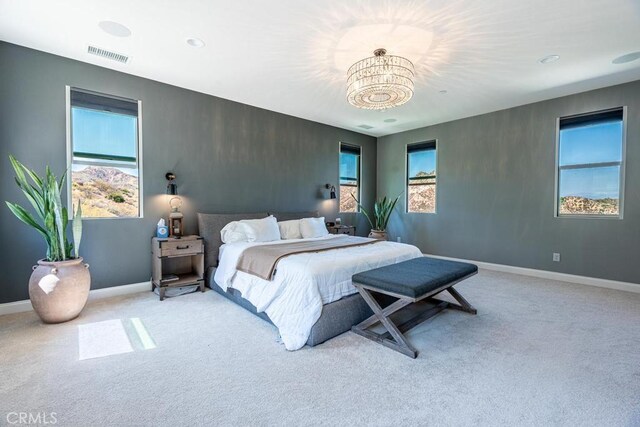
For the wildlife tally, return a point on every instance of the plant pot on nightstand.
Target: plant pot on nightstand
(59, 290)
(378, 235)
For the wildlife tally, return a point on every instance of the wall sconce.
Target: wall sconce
(332, 192)
(172, 188)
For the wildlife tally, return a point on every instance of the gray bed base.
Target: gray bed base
(336, 318)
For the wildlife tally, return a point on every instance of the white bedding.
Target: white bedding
(304, 282)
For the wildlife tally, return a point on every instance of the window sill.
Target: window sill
(618, 217)
(421, 213)
(107, 218)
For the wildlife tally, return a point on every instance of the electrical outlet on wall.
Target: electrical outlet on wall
(556, 257)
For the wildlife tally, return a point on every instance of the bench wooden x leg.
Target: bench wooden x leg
(382, 315)
(463, 306)
(394, 337)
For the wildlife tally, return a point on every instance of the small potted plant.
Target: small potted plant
(382, 209)
(59, 284)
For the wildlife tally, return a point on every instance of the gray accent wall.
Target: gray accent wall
(495, 195)
(228, 157)
(495, 174)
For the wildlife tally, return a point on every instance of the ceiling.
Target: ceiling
(291, 56)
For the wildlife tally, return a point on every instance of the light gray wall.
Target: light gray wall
(495, 191)
(228, 157)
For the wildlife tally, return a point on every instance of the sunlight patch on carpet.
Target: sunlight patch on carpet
(102, 339)
(143, 334)
(111, 337)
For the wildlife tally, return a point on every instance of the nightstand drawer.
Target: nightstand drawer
(180, 247)
(342, 229)
(348, 231)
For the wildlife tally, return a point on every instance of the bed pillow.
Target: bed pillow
(261, 230)
(313, 227)
(290, 229)
(234, 232)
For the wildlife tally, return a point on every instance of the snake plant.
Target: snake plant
(51, 217)
(382, 209)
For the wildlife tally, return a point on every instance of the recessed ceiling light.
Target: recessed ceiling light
(195, 42)
(629, 57)
(114, 28)
(549, 58)
(443, 91)
(390, 120)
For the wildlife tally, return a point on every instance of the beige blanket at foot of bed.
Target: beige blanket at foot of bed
(261, 260)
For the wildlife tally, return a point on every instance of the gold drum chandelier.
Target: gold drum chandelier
(380, 82)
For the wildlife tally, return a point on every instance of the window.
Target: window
(421, 177)
(104, 153)
(349, 177)
(590, 166)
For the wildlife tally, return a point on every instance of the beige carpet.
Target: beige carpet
(538, 353)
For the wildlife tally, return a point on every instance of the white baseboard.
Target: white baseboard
(25, 305)
(551, 275)
(114, 291)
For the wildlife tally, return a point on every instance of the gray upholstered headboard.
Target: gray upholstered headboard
(288, 216)
(210, 225)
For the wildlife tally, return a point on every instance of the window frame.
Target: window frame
(621, 179)
(340, 144)
(69, 142)
(406, 175)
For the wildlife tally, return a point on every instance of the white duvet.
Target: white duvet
(293, 300)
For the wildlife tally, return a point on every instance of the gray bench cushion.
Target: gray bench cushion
(416, 277)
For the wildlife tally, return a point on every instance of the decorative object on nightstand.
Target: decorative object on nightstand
(175, 218)
(382, 209)
(342, 229)
(162, 231)
(177, 263)
(176, 228)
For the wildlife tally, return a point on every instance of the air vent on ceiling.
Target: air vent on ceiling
(108, 54)
(365, 127)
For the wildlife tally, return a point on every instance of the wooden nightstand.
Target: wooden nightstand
(342, 229)
(179, 261)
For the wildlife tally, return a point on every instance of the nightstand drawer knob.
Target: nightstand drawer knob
(182, 247)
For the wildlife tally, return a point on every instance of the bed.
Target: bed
(311, 299)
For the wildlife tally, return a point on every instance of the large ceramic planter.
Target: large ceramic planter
(378, 234)
(59, 290)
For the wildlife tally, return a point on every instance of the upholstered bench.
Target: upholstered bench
(418, 279)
